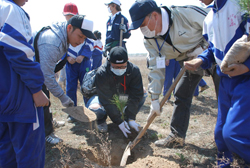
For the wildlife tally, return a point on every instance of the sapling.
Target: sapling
(120, 101)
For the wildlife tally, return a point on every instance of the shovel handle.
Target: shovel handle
(151, 119)
(121, 32)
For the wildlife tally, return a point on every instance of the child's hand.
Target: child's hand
(71, 60)
(40, 99)
(79, 59)
(236, 69)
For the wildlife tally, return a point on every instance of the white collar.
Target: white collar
(165, 22)
(113, 16)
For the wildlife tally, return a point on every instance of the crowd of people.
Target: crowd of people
(175, 37)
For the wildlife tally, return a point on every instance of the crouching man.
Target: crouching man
(117, 77)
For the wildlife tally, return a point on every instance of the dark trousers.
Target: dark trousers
(184, 92)
(48, 119)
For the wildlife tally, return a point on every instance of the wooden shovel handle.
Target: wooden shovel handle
(121, 32)
(151, 119)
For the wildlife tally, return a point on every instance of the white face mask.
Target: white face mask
(147, 32)
(118, 72)
(109, 10)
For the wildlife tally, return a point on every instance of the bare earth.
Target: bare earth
(82, 146)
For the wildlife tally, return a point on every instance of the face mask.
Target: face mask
(109, 10)
(147, 32)
(118, 72)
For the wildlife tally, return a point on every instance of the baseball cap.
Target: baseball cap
(85, 25)
(117, 2)
(118, 55)
(70, 9)
(139, 10)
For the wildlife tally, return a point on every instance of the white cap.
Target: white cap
(117, 2)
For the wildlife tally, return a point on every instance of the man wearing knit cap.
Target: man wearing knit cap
(118, 77)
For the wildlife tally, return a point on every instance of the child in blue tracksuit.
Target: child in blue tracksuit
(222, 27)
(22, 139)
(96, 58)
(76, 69)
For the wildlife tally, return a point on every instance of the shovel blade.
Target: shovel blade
(125, 155)
(80, 113)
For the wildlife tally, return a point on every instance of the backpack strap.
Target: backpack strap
(59, 65)
(37, 58)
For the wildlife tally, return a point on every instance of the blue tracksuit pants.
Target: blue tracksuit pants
(74, 73)
(171, 72)
(232, 133)
(21, 146)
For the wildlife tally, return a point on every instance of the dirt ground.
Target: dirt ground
(82, 146)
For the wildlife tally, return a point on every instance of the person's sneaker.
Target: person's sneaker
(53, 139)
(204, 88)
(170, 142)
(71, 119)
(103, 127)
(58, 124)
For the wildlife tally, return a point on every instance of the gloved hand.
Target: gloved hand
(154, 108)
(66, 101)
(123, 27)
(71, 60)
(124, 128)
(79, 59)
(134, 125)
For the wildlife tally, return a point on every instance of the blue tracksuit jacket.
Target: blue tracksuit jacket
(77, 71)
(20, 76)
(223, 25)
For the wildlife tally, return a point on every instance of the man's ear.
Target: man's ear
(69, 27)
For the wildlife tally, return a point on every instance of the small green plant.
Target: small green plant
(182, 158)
(120, 102)
(245, 5)
(153, 136)
(159, 136)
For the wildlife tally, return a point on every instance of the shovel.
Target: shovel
(131, 145)
(80, 113)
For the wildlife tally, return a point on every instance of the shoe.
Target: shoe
(204, 88)
(71, 119)
(170, 142)
(58, 124)
(53, 139)
(103, 127)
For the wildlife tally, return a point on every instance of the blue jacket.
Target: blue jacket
(223, 25)
(20, 76)
(114, 34)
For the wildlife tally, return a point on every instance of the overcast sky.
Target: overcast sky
(44, 12)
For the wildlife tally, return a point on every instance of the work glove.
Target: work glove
(134, 125)
(123, 27)
(154, 108)
(66, 101)
(124, 128)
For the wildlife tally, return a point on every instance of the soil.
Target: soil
(82, 146)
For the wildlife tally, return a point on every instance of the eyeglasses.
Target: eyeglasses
(119, 67)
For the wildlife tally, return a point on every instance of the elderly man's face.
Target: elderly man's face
(150, 21)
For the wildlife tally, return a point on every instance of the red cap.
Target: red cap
(70, 9)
